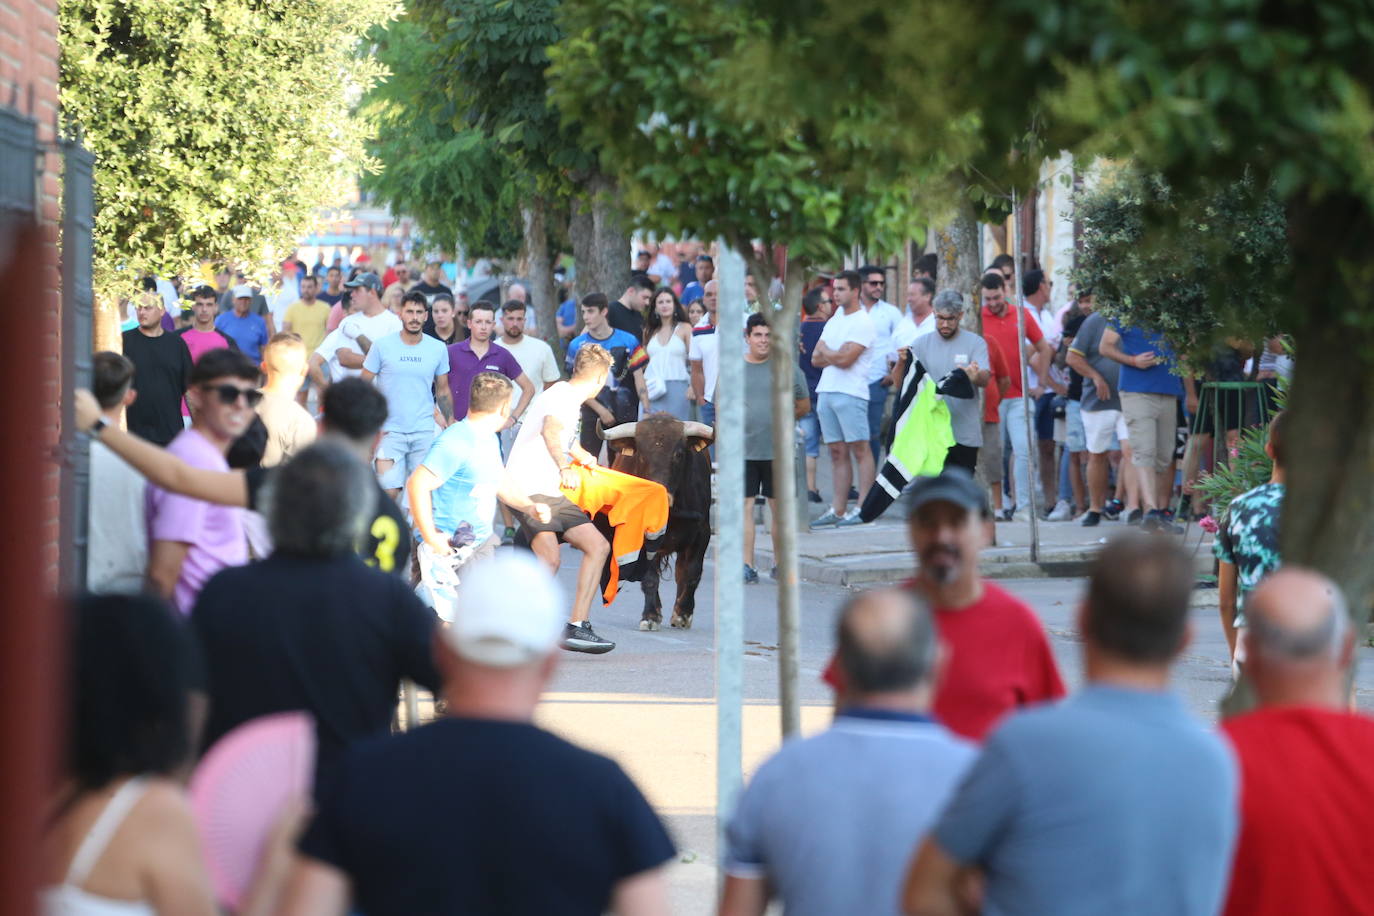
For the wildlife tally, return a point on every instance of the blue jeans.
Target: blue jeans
(877, 400)
(1065, 485)
(1013, 413)
(811, 431)
(708, 413)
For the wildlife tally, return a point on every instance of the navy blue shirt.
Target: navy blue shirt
(810, 335)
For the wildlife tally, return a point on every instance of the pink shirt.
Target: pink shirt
(215, 533)
(200, 343)
(336, 315)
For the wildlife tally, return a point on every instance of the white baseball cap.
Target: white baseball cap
(243, 292)
(509, 611)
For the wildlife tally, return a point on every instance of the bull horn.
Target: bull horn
(700, 430)
(622, 431)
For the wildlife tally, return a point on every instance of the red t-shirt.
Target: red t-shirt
(992, 394)
(1307, 802)
(997, 660)
(1003, 330)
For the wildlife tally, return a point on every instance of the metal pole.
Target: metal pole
(729, 541)
(1027, 406)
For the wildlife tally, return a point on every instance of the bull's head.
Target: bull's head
(660, 443)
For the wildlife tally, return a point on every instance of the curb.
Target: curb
(1066, 565)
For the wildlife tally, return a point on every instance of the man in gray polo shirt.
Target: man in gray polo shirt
(829, 823)
(952, 347)
(1116, 800)
(1103, 425)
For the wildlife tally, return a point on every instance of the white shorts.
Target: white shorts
(1105, 429)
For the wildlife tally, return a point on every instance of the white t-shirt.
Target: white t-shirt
(536, 361)
(885, 317)
(345, 336)
(840, 330)
(908, 331)
(117, 541)
(1053, 329)
(530, 465)
(705, 350)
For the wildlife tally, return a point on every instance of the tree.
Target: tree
(679, 101)
(455, 181)
(219, 129)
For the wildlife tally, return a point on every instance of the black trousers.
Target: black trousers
(964, 456)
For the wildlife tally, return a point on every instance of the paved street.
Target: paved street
(649, 704)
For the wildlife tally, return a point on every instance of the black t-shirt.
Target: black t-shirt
(476, 816)
(328, 636)
(430, 291)
(162, 367)
(1075, 380)
(386, 546)
(626, 319)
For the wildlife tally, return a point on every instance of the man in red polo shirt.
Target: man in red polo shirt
(999, 324)
(997, 658)
(1307, 790)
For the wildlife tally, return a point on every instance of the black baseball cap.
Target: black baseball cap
(953, 485)
(369, 279)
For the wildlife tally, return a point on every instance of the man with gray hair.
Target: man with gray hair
(828, 824)
(1307, 792)
(312, 627)
(956, 359)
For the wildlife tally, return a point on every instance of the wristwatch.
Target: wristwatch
(99, 427)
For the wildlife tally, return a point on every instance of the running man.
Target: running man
(540, 464)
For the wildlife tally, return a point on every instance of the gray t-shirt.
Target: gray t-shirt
(1085, 344)
(831, 822)
(939, 357)
(758, 408)
(1113, 801)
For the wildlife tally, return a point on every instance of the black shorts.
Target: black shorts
(564, 515)
(758, 479)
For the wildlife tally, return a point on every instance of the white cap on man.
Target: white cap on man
(243, 291)
(509, 611)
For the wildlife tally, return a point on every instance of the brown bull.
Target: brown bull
(668, 451)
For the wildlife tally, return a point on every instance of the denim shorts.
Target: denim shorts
(406, 451)
(1075, 436)
(844, 417)
(811, 432)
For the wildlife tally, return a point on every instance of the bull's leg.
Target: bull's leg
(652, 617)
(688, 562)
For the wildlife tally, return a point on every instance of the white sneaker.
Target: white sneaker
(850, 519)
(1062, 512)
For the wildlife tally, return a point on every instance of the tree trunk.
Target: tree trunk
(105, 322)
(957, 245)
(612, 240)
(534, 251)
(582, 234)
(786, 507)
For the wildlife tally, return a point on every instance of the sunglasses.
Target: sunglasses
(462, 312)
(228, 394)
(877, 283)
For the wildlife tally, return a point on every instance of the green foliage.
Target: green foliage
(220, 127)
(1220, 270)
(672, 95)
(453, 179)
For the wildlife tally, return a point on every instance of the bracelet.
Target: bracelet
(98, 428)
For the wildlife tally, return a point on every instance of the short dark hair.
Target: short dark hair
(640, 280)
(1030, 282)
(926, 284)
(224, 363)
(320, 502)
(1275, 438)
(929, 264)
(130, 675)
(334, 267)
(483, 305)
(488, 392)
(111, 376)
(851, 278)
(440, 297)
(596, 301)
(1138, 592)
(811, 302)
(416, 297)
(755, 321)
(993, 280)
(872, 269)
(704, 258)
(897, 664)
(1002, 260)
(204, 292)
(354, 409)
(513, 305)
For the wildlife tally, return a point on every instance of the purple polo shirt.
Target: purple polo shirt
(215, 533)
(464, 365)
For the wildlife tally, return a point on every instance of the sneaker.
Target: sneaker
(751, 575)
(1062, 512)
(1020, 515)
(853, 493)
(508, 536)
(851, 518)
(828, 520)
(813, 496)
(1135, 517)
(1090, 519)
(1004, 515)
(1112, 510)
(581, 638)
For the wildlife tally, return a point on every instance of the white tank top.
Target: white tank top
(668, 362)
(68, 898)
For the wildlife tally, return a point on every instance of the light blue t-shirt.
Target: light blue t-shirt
(1112, 801)
(831, 822)
(405, 374)
(249, 332)
(469, 464)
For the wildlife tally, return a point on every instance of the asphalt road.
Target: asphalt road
(649, 703)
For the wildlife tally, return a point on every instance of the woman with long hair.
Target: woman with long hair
(667, 338)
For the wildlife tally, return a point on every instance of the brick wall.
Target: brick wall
(28, 83)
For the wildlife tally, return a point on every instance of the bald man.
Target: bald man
(1307, 789)
(829, 823)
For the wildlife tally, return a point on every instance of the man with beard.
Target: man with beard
(952, 348)
(998, 658)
